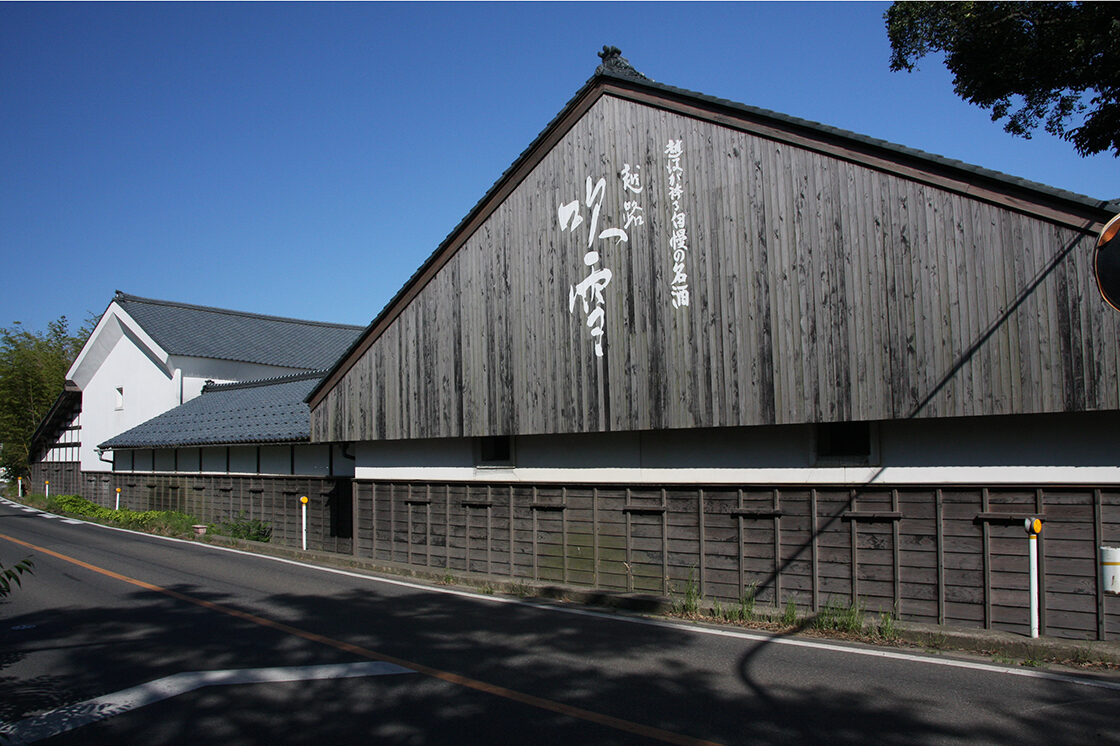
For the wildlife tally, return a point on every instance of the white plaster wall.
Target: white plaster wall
(119, 353)
(196, 371)
(148, 390)
(1034, 449)
(275, 460)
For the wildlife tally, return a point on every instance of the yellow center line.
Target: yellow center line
(609, 721)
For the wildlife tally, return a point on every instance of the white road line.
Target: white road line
(73, 716)
(28, 509)
(681, 626)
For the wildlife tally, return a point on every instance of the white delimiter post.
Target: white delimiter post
(1034, 584)
(1034, 528)
(118, 507)
(303, 502)
(19, 486)
(47, 488)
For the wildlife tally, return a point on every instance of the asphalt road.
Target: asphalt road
(102, 643)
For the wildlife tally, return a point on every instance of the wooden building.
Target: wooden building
(682, 337)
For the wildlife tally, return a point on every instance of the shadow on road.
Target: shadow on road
(676, 681)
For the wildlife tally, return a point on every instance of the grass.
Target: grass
(887, 628)
(937, 641)
(689, 604)
(789, 616)
(241, 527)
(745, 611)
(520, 590)
(836, 617)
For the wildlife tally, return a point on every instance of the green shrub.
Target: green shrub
(167, 522)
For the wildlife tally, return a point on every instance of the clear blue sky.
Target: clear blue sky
(303, 160)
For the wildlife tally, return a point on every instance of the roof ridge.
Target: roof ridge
(258, 382)
(231, 312)
(832, 131)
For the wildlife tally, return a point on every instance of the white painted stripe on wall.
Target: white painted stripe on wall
(857, 475)
(67, 718)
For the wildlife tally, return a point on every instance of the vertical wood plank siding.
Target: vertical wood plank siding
(822, 290)
(217, 498)
(917, 551)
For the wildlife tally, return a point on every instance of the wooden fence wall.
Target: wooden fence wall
(217, 498)
(956, 555)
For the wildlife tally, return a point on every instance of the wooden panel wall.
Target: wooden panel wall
(953, 556)
(66, 478)
(822, 290)
(215, 498)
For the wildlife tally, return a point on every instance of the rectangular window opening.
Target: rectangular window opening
(846, 443)
(120, 397)
(495, 450)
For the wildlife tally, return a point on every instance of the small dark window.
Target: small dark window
(495, 450)
(341, 504)
(844, 442)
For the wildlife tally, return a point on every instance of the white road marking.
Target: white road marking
(45, 514)
(73, 716)
(680, 626)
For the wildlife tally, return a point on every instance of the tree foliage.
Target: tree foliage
(1053, 63)
(10, 576)
(33, 369)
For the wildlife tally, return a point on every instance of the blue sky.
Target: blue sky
(304, 159)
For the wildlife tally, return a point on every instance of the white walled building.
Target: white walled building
(148, 356)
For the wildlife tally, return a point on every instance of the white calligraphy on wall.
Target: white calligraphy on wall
(590, 290)
(678, 234)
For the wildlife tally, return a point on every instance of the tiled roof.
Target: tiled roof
(265, 411)
(200, 331)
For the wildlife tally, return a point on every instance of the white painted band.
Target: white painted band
(844, 475)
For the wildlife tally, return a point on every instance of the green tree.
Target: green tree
(33, 369)
(1052, 63)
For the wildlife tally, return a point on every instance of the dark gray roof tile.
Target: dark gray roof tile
(266, 411)
(200, 331)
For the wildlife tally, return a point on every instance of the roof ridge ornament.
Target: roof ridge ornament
(615, 64)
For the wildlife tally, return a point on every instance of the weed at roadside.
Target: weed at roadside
(838, 618)
(789, 616)
(241, 527)
(689, 604)
(888, 626)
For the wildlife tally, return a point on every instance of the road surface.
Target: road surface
(119, 637)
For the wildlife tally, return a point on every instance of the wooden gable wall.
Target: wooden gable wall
(820, 289)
